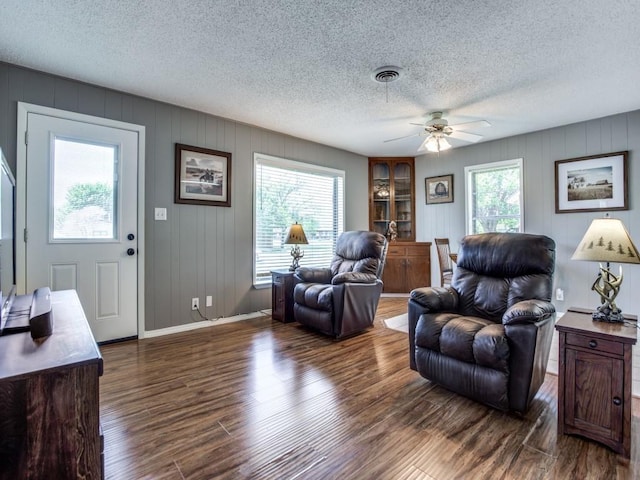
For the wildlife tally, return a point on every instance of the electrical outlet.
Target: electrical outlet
(209, 301)
(559, 294)
(195, 303)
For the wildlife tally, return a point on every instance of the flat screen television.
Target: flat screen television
(7, 240)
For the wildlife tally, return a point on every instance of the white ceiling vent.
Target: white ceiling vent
(386, 74)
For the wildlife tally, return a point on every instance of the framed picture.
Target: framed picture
(439, 189)
(591, 184)
(203, 176)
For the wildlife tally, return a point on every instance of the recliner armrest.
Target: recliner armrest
(354, 277)
(528, 311)
(435, 299)
(313, 275)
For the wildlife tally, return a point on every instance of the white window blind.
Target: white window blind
(285, 192)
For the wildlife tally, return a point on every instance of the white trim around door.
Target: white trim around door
(23, 110)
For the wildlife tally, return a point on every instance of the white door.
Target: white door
(81, 218)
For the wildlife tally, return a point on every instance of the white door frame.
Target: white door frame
(21, 200)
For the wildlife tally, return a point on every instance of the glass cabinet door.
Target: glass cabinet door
(392, 196)
(403, 200)
(381, 190)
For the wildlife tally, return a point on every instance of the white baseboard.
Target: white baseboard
(204, 324)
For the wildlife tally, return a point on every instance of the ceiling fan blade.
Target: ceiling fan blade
(467, 137)
(471, 125)
(406, 136)
(419, 124)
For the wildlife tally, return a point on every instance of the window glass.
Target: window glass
(84, 191)
(286, 192)
(494, 197)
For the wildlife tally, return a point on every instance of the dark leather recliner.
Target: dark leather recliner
(342, 299)
(488, 335)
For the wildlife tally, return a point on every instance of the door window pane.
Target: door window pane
(84, 191)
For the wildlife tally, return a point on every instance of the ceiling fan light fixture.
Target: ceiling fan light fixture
(431, 144)
(435, 144)
(443, 144)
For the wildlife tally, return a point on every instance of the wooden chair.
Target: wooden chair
(446, 264)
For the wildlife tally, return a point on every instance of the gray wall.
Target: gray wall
(539, 151)
(207, 250)
(200, 250)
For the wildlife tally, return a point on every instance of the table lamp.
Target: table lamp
(607, 240)
(296, 237)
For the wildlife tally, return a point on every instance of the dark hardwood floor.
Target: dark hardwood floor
(265, 400)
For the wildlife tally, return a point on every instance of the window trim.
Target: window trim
(482, 167)
(294, 165)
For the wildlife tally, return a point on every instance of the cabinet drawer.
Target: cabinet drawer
(595, 344)
(397, 250)
(410, 250)
(418, 250)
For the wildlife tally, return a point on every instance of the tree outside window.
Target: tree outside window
(494, 197)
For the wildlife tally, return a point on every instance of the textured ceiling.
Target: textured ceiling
(304, 67)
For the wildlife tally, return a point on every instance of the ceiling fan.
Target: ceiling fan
(438, 129)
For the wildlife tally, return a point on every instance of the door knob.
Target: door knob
(131, 236)
(131, 251)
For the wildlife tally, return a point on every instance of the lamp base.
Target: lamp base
(606, 314)
(296, 254)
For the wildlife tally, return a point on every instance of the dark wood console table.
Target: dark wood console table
(49, 399)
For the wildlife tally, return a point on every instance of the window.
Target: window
(84, 190)
(494, 197)
(286, 192)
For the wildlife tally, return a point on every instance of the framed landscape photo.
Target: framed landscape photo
(591, 184)
(439, 189)
(203, 176)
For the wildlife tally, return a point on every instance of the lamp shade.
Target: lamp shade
(295, 235)
(607, 240)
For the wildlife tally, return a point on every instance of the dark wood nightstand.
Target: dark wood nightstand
(282, 295)
(594, 378)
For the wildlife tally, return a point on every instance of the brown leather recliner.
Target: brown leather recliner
(342, 299)
(488, 335)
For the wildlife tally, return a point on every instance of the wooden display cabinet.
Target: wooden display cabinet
(594, 379)
(392, 198)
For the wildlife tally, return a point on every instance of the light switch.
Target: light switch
(161, 213)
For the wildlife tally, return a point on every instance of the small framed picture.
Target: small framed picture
(591, 184)
(203, 176)
(439, 189)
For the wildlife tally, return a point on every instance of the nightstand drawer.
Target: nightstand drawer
(596, 344)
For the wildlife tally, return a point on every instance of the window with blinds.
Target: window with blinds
(286, 192)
